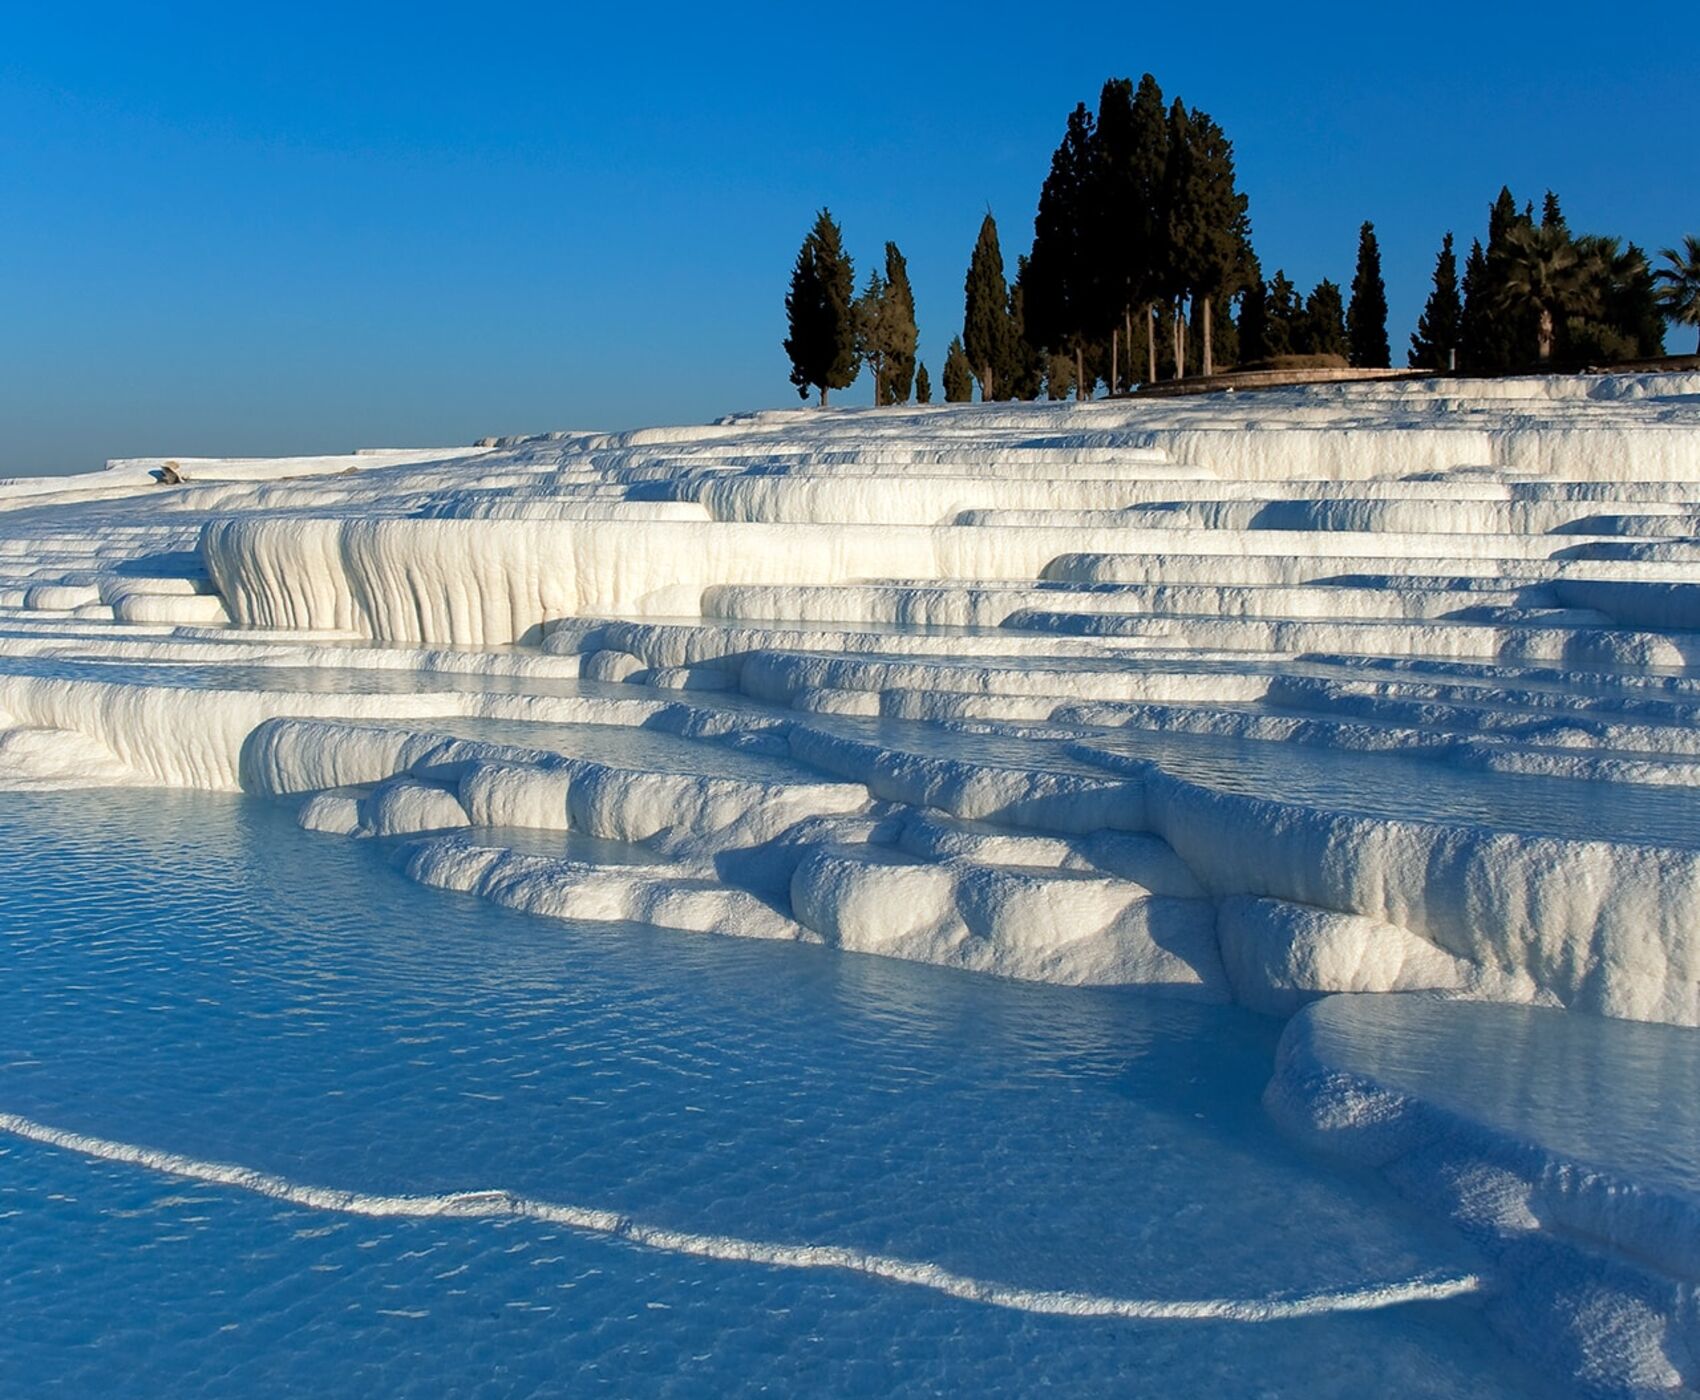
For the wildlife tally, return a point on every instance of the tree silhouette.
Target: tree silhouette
(820, 309)
(1436, 338)
(1366, 318)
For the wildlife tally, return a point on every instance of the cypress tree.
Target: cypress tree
(1366, 318)
(986, 330)
(1027, 375)
(1475, 330)
(1504, 340)
(1322, 328)
(1551, 215)
(1254, 323)
(871, 333)
(923, 384)
(901, 333)
(1435, 342)
(1058, 293)
(1216, 258)
(1283, 314)
(1182, 203)
(958, 375)
(1126, 227)
(1150, 228)
(820, 310)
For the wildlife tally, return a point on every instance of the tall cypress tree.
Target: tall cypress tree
(1475, 328)
(1058, 291)
(958, 375)
(1500, 341)
(923, 384)
(901, 333)
(1551, 215)
(1027, 375)
(986, 329)
(1366, 318)
(1435, 343)
(821, 310)
(1183, 205)
(1284, 314)
(871, 332)
(1150, 229)
(1215, 259)
(1254, 323)
(1322, 328)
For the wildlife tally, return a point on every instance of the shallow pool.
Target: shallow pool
(194, 974)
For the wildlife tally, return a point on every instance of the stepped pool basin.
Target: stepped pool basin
(193, 974)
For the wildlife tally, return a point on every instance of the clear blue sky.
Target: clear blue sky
(276, 228)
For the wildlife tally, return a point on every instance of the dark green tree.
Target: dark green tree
(1500, 331)
(1435, 342)
(1127, 230)
(1209, 254)
(1475, 326)
(901, 333)
(1150, 161)
(1366, 317)
(1254, 323)
(885, 329)
(1551, 215)
(958, 374)
(1058, 296)
(821, 312)
(1182, 205)
(870, 316)
(987, 334)
(1111, 210)
(923, 384)
(1283, 316)
(1027, 378)
(1321, 330)
(1679, 282)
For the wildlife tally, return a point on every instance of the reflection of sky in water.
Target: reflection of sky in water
(194, 973)
(1623, 1095)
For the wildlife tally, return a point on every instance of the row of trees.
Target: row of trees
(1538, 292)
(1142, 268)
(834, 332)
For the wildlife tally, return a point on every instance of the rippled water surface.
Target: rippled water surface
(194, 974)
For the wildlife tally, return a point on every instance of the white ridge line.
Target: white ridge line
(1426, 1287)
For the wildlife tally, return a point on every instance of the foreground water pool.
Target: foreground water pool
(194, 974)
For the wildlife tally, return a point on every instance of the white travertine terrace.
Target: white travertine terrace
(1386, 688)
(1352, 688)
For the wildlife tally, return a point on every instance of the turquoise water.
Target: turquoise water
(194, 974)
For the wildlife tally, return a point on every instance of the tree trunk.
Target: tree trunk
(1179, 337)
(1079, 373)
(1544, 335)
(1115, 360)
(823, 396)
(1208, 364)
(1127, 340)
(1151, 342)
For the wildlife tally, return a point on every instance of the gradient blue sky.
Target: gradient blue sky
(278, 228)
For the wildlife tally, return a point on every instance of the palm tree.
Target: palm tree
(1546, 273)
(1679, 284)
